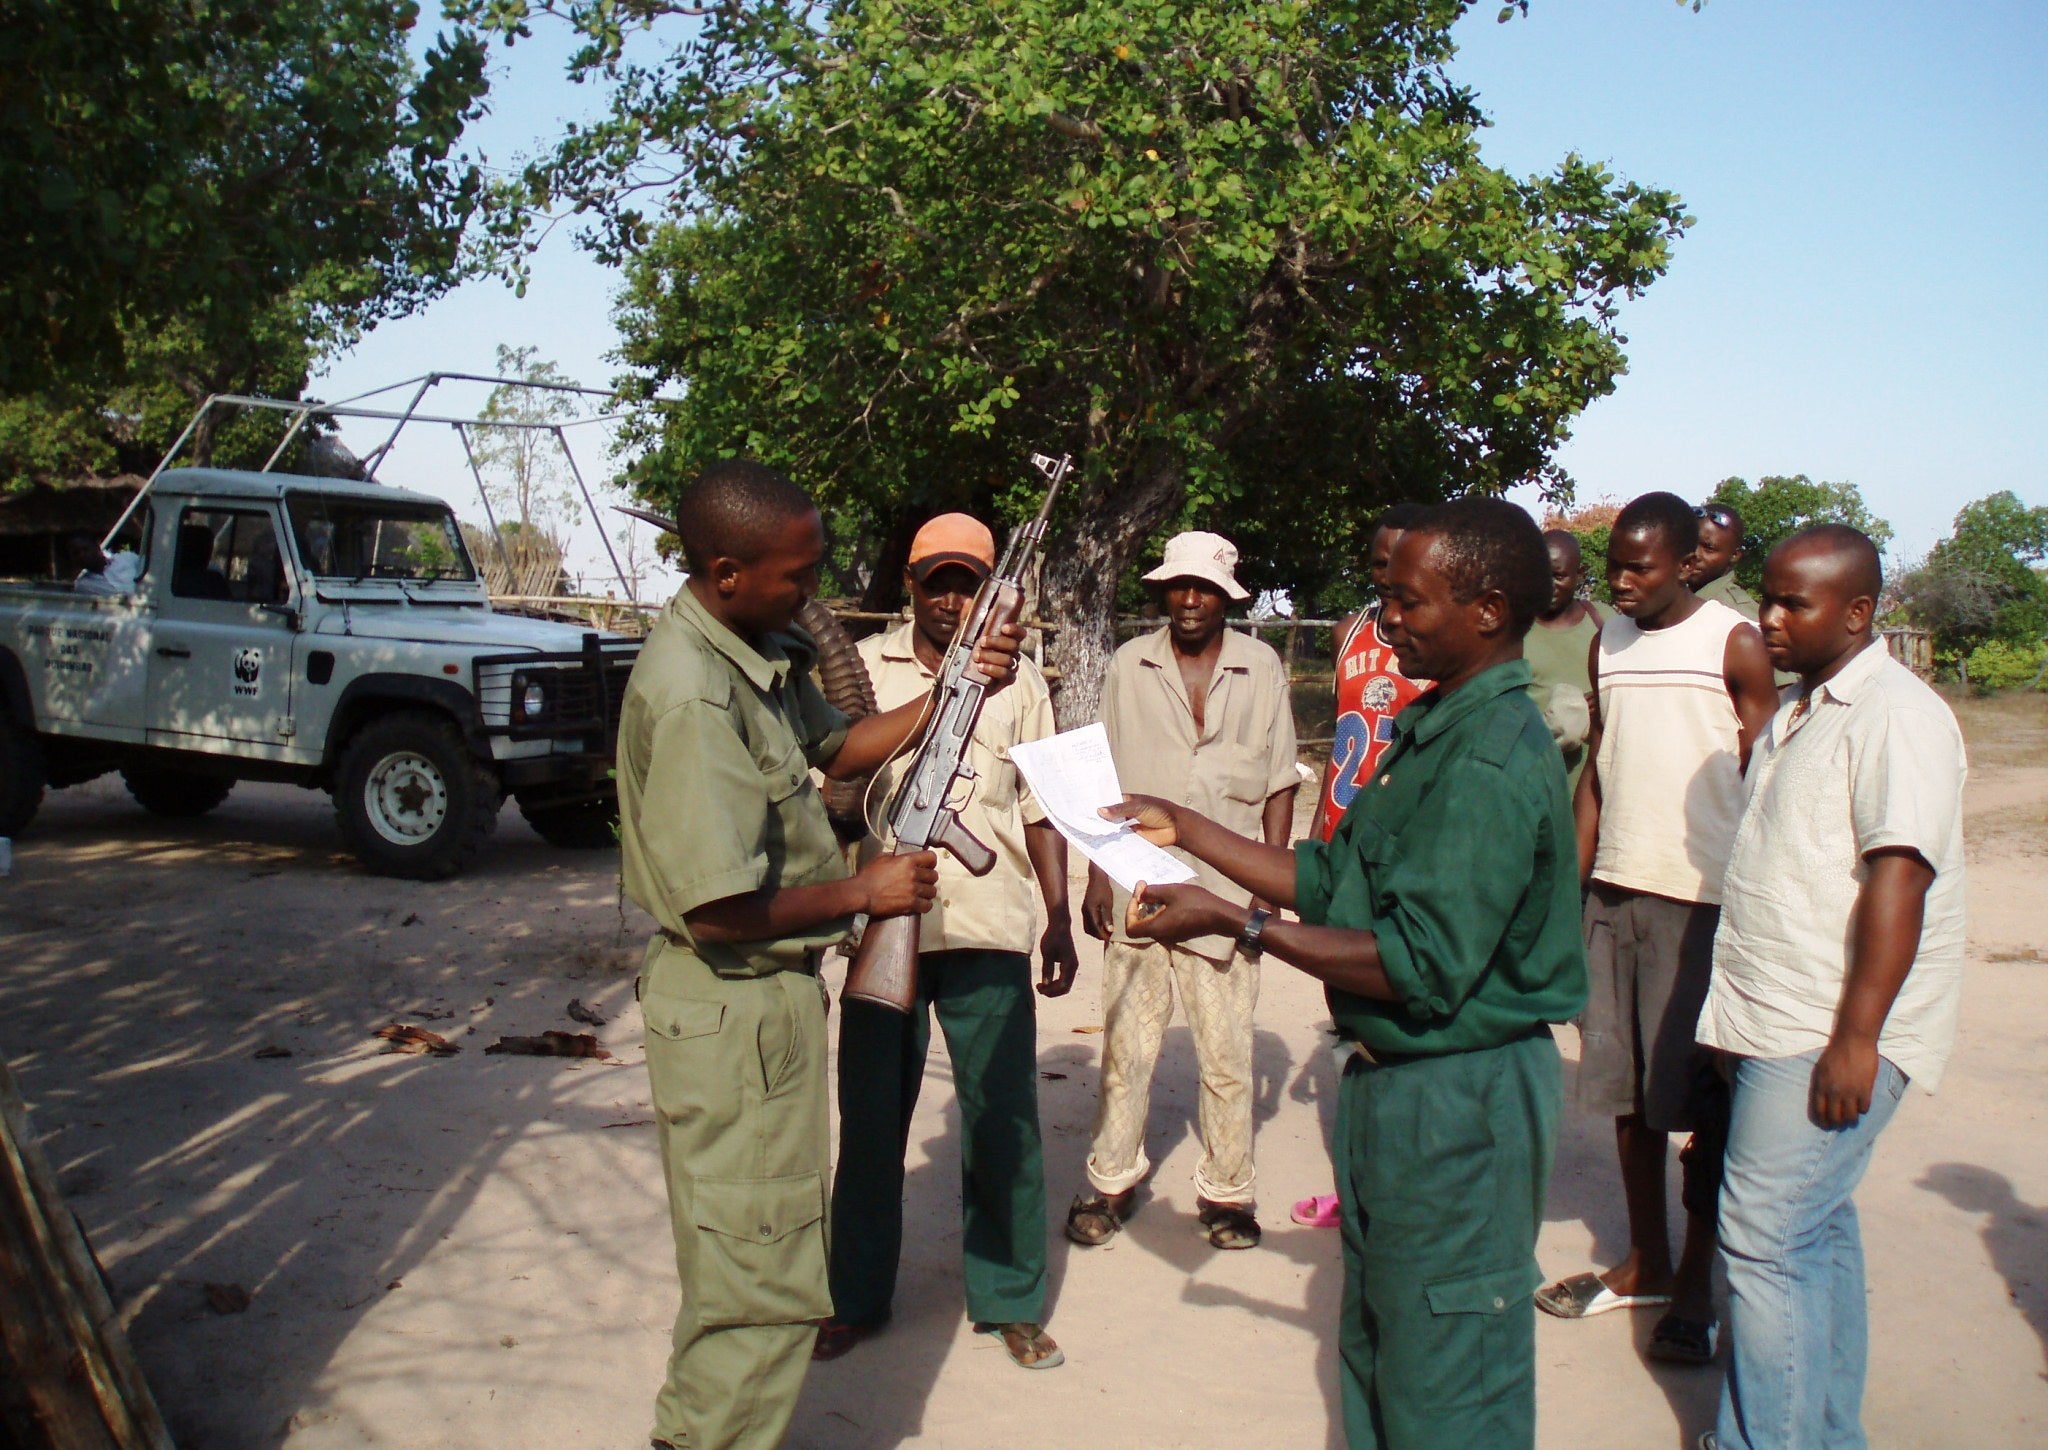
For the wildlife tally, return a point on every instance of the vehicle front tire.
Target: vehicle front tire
(179, 794)
(22, 775)
(412, 801)
(577, 826)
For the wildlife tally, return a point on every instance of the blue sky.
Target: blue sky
(1856, 299)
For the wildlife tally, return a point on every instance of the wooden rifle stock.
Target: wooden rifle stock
(884, 969)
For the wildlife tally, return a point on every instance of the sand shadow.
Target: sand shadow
(2015, 1234)
(146, 965)
(874, 1398)
(1585, 1187)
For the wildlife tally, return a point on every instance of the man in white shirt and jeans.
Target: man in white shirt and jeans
(1837, 974)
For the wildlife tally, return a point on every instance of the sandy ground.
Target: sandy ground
(473, 1251)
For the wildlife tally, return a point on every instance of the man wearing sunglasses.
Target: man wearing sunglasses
(1710, 572)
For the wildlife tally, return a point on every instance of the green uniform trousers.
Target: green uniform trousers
(1441, 1168)
(738, 1070)
(987, 1011)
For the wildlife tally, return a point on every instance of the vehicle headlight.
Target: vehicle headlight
(529, 697)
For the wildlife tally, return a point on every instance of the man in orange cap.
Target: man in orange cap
(974, 968)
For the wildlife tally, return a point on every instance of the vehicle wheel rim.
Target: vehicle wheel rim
(406, 798)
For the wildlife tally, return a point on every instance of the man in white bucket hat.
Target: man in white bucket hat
(1200, 715)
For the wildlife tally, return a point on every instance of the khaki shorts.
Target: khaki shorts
(1648, 962)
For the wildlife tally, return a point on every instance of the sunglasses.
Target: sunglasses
(1717, 515)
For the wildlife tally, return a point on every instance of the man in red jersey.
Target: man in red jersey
(1371, 691)
(1370, 686)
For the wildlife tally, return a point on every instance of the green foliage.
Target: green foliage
(1998, 665)
(1984, 582)
(1241, 257)
(81, 427)
(1777, 506)
(205, 161)
(1593, 548)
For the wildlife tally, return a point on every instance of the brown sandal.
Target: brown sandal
(1229, 1225)
(1029, 1346)
(1094, 1221)
(836, 1337)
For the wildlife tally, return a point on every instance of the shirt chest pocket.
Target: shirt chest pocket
(995, 784)
(1375, 852)
(1238, 770)
(785, 774)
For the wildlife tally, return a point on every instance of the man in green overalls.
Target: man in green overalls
(1444, 918)
(726, 844)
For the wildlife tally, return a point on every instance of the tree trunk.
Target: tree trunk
(1083, 564)
(884, 594)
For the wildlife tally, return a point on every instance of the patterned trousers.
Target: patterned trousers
(1139, 983)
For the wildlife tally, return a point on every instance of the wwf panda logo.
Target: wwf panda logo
(248, 666)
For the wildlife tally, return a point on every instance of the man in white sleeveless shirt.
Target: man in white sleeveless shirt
(1838, 971)
(1682, 686)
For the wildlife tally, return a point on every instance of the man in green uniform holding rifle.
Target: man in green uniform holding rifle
(725, 842)
(1443, 917)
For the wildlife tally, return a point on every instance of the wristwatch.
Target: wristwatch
(1248, 935)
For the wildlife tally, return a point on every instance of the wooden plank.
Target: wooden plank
(72, 1380)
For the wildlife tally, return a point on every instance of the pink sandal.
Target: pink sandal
(1320, 1211)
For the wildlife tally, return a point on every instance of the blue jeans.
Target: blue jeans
(1799, 1336)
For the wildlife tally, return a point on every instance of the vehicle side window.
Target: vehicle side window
(228, 554)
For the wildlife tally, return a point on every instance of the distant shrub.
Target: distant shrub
(1996, 665)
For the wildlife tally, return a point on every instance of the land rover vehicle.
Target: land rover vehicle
(330, 633)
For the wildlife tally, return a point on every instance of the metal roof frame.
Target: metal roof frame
(354, 407)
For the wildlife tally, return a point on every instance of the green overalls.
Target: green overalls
(1460, 857)
(716, 739)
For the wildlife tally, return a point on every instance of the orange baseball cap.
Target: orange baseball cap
(953, 539)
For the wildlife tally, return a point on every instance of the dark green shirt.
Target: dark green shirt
(1459, 856)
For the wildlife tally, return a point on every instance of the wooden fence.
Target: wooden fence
(1308, 673)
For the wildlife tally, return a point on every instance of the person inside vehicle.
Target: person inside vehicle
(98, 574)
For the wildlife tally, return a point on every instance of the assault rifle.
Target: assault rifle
(884, 969)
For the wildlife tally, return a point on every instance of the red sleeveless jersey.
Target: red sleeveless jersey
(1371, 691)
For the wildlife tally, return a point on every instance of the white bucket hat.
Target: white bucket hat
(1197, 555)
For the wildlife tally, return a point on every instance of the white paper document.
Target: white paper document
(1073, 776)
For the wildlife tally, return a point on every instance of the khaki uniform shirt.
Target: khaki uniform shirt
(716, 739)
(993, 911)
(1728, 592)
(1244, 756)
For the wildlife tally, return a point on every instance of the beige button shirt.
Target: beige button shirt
(1876, 761)
(716, 739)
(1244, 756)
(993, 911)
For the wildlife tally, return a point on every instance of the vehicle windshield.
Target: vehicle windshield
(360, 538)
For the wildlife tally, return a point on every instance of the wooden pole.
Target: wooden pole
(68, 1380)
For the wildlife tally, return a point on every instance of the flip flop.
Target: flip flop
(1028, 1345)
(1584, 1295)
(1320, 1211)
(1684, 1341)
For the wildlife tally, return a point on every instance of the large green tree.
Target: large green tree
(211, 165)
(1984, 581)
(1779, 505)
(121, 421)
(1241, 257)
